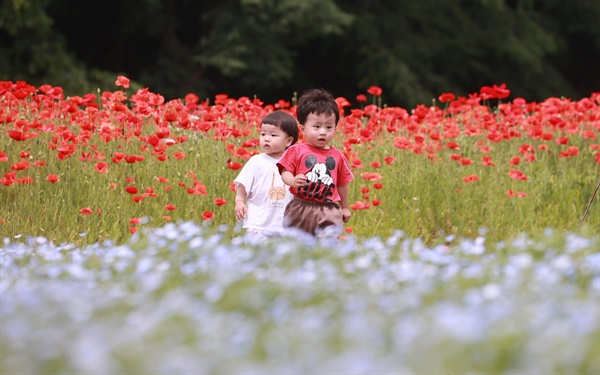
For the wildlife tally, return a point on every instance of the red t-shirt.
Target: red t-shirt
(325, 170)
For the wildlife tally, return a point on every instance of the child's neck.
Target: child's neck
(276, 155)
(322, 148)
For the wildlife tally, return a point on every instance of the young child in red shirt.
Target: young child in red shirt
(317, 173)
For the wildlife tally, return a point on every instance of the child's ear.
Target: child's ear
(289, 142)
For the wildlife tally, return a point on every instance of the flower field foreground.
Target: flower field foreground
(181, 299)
(83, 169)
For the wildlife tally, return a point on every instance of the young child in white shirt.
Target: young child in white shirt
(261, 195)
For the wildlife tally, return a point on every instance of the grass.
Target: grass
(423, 190)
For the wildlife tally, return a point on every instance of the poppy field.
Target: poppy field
(474, 245)
(83, 169)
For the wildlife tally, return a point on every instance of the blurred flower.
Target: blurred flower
(220, 201)
(446, 97)
(375, 90)
(371, 176)
(516, 174)
(234, 165)
(122, 81)
(208, 215)
(389, 159)
(101, 167)
(52, 178)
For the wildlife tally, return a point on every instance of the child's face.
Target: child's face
(273, 140)
(319, 129)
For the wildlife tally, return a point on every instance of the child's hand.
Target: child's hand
(299, 180)
(346, 215)
(240, 210)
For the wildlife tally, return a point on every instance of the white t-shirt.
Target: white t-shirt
(267, 195)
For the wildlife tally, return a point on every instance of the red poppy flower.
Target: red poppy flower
(20, 166)
(86, 211)
(234, 165)
(470, 178)
(453, 145)
(349, 230)
(134, 220)
(167, 218)
(571, 151)
(52, 178)
(101, 167)
(371, 176)
(358, 205)
(170, 207)
(119, 155)
(515, 160)
(131, 189)
(516, 174)
(494, 92)
(220, 201)
(378, 185)
(122, 81)
(137, 199)
(132, 230)
(376, 202)
(375, 90)
(375, 164)
(510, 193)
(389, 160)
(251, 142)
(361, 98)
(208, 215)
(446, 97)
(562, 140)
(487, 161)
(179, 155)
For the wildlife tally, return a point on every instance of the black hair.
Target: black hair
(319, 102)
(284, 121)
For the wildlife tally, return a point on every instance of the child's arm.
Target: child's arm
(291, 180)
(343, 191)
(240, 202)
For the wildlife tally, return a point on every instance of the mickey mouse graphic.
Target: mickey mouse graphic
(319, 183)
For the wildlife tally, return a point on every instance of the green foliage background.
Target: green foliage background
(413, 49)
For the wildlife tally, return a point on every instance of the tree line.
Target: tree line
(413, 49)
